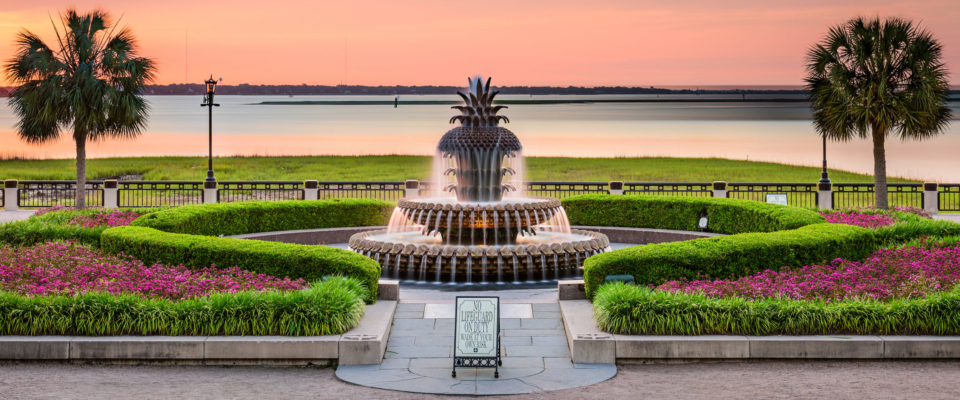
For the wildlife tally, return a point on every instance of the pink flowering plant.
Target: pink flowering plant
(901, 273)
(107, 219)
(66, 268)
(870, 217)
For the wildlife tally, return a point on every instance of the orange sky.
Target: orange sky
(520, 42)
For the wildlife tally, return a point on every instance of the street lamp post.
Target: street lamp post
(824, 177)
(208, 102)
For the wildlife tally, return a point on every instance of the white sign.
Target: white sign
(778, 198)
(477, 324)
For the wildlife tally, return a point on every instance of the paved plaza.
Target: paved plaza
(419, 356)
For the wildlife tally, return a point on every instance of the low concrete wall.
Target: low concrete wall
(590, 345)
(646, 235)
(309, 236)
(364, 344)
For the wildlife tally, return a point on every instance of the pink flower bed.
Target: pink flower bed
(109, 219)
(908, 272)
(67, 268)
(861, 220)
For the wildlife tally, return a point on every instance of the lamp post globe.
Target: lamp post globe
(211, 85)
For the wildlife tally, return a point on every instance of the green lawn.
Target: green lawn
(371, 168)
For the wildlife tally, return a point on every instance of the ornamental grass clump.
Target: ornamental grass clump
(66, 268)
(908, 272)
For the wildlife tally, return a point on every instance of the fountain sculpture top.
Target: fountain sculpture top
(478, 146)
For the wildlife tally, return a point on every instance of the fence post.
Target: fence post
(825, 195)
(931, 197)
(720, 189)
(311, 190)
(110, 195)
(616, 187)
(210, 194)
(412, 187)
(10, 196)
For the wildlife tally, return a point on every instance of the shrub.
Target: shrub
(730, 256)
(907, 231)
(285, 260)
(638, 310)
(905, 272)
(67, 268)
(266, 216)
(64, 223)
(728, 216)
(326, 308)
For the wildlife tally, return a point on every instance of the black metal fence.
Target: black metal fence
(691, 189)
(230, 191)
(159, 193)
(564, 189)
(948, 198)
(386, 190)
(798, 194)
(853, 195)
(38, 194)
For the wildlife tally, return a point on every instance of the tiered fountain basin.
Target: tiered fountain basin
(516, 239)
(541, 257)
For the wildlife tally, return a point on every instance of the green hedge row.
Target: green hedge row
(267, 216)
(53, 226)
(294, 261)
(326, 308)
(730, 256)
(729, 216)
(637, 310)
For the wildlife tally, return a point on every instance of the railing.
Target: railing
(57, 193)
(230, 191)
(159, 193)
(695, 189)
(36, 194)
(851, 195)
(948, 198)
(798, 194)
(564, 189)
(386, 190)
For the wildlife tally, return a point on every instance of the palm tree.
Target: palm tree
(870, 78)
(91, 84)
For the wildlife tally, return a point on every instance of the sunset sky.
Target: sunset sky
(527, 42)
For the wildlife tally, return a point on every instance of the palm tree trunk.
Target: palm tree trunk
(81, 140)
(880, 168)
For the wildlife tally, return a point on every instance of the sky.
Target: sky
(680, 43)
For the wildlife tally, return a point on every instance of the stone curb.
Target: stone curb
(364, 344)
(590, 345)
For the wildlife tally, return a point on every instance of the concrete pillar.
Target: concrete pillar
(825, 196)
(111, 197)
(931, 197)
(209, 192)
(311, 190)
(412, 187)
(720, 189)
(10, 196)
(616, 187)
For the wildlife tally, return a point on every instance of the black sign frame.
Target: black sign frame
(476, 362)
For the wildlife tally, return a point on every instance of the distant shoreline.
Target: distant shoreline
(531, 102)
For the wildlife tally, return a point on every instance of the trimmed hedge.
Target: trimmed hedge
(52, 226)
(293, 261)
(266, 216)
(326, 308)
(728, 216)
(637, 310)
(186, 235)
(732, 256)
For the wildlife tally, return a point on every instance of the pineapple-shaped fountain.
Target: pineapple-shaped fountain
(479, 235)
